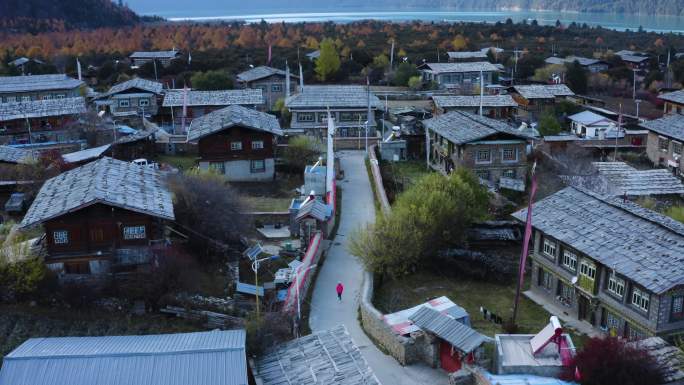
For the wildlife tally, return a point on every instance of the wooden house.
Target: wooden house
(106, 216)
(493, 106)
(533, 99)
(463, 78)
(673, 102)
(38, 87)
(40, 121)
(271, 81)
(135, 97)
(164, 58)
(237, 142)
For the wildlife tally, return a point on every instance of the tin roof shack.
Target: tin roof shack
(491, 148)
(543, 354)
(237, 142)
(326, 357)
(215, 357)
(664, 142)
(105, 216)
(463, 78)
(534, 99)
(38, 87)
(609, 262)
(40, 121)
(200, 103)
(139, 58)
(493, 106)
(271, 81)
(133, 98)
(348, 106)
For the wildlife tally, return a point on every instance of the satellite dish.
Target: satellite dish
(574, 280)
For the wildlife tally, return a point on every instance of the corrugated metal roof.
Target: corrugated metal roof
(328, 357)
(216, 357)
(87, 154)
(233, 116)
(107, 181)
(589, 118)
(314, 208)
(451, 101)
(42, 108)
(37, 83)
(449, 329)
(641, 244)
(462, 127)
(670, 125)
(174, 98)
(261, 72)
(333, 96)
(439, 68)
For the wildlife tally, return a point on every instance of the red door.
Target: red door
(450, 363)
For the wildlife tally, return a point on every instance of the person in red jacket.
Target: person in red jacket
(339, 289)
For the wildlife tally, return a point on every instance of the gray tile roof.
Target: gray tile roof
(135, 83)
(261, 72)
(638, 243)
(628, 180)
(107, 181)
(671, 126)
(474, 101)
(467, 55)
(328, 357)
(333, 96)
(477, 66)
(37, 83)
(676, 96)
(9, 154)
(543, 91)
(154, 54)
(138, 135)
(462, 127)
(233, 116)
(174, 98)
(449, 329)
(215, 357)
(42, 108)
(584, 61)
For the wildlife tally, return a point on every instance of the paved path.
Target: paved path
(357, 209)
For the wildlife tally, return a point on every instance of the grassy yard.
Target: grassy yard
(467, 293)
(181, 162)
(268, 204)
(270, 196)
(398, 176)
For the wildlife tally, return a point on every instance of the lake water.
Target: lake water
(319, 13)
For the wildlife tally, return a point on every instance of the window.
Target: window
(144, 102)
(612, 321)
(616, 286)
(305, 117)
(26, 98)
(324, 117)
(550, 248)
(60, 237)
(277, 88)
(588, 270)
(60, 96)
(257, 145)
(663, 144)
(97, 234)
(218, 167)
(258, 166)
(482, 174)
(124, 103)
(545, 279)
(640, 299)
(77, 267)
(677, 310)
(11, 99)
(484, 156)
(676, 148)
(134, 232)
(360, 116)
(570, 260)
(509, 155)
(236, 146)
(566, 293)
(509, 174)
(47, 97)
(346, 117)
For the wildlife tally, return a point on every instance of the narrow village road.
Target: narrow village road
(357, 209)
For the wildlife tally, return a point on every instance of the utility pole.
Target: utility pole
(154, 62)
(481, 91)
(617, 134)
(368, 114)
(634, 71)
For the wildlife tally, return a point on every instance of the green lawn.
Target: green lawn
(181, 162)
(467, 293)
(268, 204)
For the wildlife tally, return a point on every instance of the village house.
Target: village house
(200, 358)
(10, 160)
(673, 102)
(491, 148)
(200, 103)
(664, 143)
(38, 87)
(460, 77)
(237, 142)
(25, 64)
(633, 59)
(164, 58)
(465, 56)
(348, 106)
(589, 64)
(132, 98)
(587, 124)
(535, 98)
(271, 81)
(608, 262)
(107, 216)
(493, 106)
(40, 121)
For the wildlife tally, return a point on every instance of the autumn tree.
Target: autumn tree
(329, 62)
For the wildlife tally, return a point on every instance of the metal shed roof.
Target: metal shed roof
(449, 329)
(42, 108)
(107, 181)
(233, 116)
(216, 358)
(314, 208)
(174, 98)
(333, 96)
(37, 83)
(87, 154)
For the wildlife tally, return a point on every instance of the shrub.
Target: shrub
(300, 151)
(23, 280)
